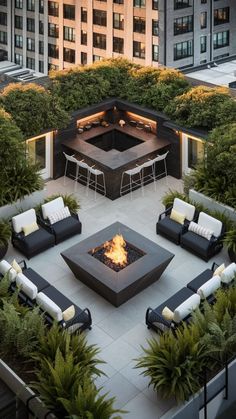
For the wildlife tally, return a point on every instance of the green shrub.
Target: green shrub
(230, 239)
(69, 200)
(5, 233)
(33, 108)
(169, 197)
(203, 106)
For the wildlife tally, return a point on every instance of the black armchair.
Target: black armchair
(33, 243)
(170, 228)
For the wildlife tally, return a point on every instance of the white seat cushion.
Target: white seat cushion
(24, 219)
(59, 215)
(184, 309)
(184, 208)
(209, 287)
(6, 267)
(52, 206)
(26, 286)
(228, 273)
(49, 306)
(201, 231)
(210, 223)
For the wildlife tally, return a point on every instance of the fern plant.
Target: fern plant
(83, 354)
(69, 200)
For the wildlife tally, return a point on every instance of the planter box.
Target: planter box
(211, 204)
(23, 392)
(29, 201)
(194, 407)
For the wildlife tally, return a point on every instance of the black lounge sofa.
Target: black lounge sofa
(201, 279)
(62, 229)
(81, 317)
(155, 320)
(170, 228)
(200, 246)
(34, 243)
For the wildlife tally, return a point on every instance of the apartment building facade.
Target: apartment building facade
(44, 35)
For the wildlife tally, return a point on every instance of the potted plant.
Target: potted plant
(230, 243)
(5, 235)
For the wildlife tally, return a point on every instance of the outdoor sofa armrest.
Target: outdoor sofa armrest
(158, 318)
(75, 215)
(18, 236)
(214, 266)
(22, 264)
(78, 319)
(165, 213)
(44, 223)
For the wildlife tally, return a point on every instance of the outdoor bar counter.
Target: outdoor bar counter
(114, 162)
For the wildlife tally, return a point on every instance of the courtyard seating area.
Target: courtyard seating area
(120, 331)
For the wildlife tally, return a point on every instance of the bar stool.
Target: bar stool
(100, 187)
(150, 176)
(71, 159)
(83, 178)
(161, 157)
(132, 183)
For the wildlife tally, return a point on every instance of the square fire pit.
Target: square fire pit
(117, 282)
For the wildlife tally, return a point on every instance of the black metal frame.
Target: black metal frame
(183, 229)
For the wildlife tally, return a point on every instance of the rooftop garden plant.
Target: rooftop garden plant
(202, 107)
(5, 235)
(69, 200)
(33, 108)
(18, 176)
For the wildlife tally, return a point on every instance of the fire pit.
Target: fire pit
(117, 262)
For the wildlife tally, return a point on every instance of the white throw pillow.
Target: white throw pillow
(16, 266)
(26, 286)
(219, 270)
(59, 215)
(210, 223)
(49, 306)
(201, 231)
(6, 267)
(52, 206)
(228, 273)
(23, 219)
(167, 314)
(184, 309)
(209, 287)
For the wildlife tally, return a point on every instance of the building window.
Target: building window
(53, 8)
(118, 45)
(19, 4)
(3, 37)
(118, 21)
(203, 44)
(41, 27)
(183, 25)
(203, 20)
(19, 59)
(53, 51)
(99, 17)
(3, 2)
(97, 58)
(31, 5)
(139, 24)
(30, 44)
(30, 25)
(3, 18)
(118, 1)
(53, 30)
(41, 66)
(183, 50)
(181, 4)
(18, 41)
(83, 58)
(30, 63)
(69, 55)
(41, 47)
(203, 1)
(18, 22)
(99, 41)
(69, 34)
(221, 39)
(138, 49)
(53, 67)
(41, 6)
(155, 53)
(155, 27)
(221, 16)
(139, 3)
(84, 37)
(84, 14)
(68, 12)
(155, 4)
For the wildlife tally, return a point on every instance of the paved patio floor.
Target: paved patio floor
(120, 332)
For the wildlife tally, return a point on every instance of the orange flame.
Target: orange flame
(116, 250)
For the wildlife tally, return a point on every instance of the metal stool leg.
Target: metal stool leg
(76, 177)
(64, 182)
